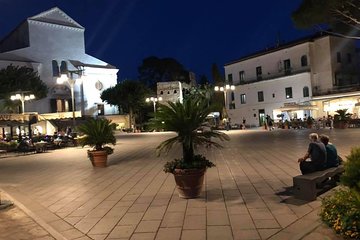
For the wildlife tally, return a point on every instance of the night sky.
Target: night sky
(196, 33)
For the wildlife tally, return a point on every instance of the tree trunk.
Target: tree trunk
(188, 153)
(131, 118)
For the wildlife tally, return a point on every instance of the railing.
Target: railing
(60, 115)
(281, 73)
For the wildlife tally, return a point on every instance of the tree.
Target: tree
(154, 69)
(203, 80)
(128, 95)
(343, 16)
(218, 80)
(15, 78)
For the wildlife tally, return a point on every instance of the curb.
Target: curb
(55, 234)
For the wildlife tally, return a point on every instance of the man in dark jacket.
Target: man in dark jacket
(317, 154)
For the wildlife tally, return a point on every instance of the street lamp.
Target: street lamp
(154, 100)
(22, 97)
(71, 81)
(225, 89)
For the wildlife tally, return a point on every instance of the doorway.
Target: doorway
(261, 117)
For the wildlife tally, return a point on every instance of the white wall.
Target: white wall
(269, 87)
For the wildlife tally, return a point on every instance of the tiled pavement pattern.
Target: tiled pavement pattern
(15, 225)
(244, 196)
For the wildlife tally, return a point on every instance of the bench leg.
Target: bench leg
(304, 189)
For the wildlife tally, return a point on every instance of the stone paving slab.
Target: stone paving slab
(244, 197)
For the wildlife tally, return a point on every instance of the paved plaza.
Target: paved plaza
(245, 197)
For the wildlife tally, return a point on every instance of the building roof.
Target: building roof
(56, 16)
(311, 38)
(77, 63)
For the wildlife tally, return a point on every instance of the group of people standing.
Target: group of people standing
(321, 154)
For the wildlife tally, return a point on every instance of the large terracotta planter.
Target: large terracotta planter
(189, 182)
(98, 158)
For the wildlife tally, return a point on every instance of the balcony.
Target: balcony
(281, 73)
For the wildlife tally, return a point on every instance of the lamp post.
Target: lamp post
(22, 97)
(154, 100)
(225, 89)
(71, 81)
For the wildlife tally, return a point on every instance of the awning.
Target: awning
(297, 107)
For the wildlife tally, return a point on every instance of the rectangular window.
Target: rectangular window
(230, 78)
(242, 76)
(338, 57)
(258, 73)
(287, 66)
(242, 98)
(349, 58)
(288, 92)
(260, 96)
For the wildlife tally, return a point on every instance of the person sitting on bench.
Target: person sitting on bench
(332, 159)
(317, 154)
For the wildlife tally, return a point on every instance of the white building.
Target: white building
(171, 91)
(52, 43)
(314, 76)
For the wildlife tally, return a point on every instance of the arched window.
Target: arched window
(175, 91)
(63, 67)
(305, 91)
(304, 61)
(55, 68)
(161, 92)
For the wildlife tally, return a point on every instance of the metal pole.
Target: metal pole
(154, 103)
(73, 102)
(22, 104)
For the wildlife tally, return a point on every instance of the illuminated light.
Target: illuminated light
(152, 99)
(222, 89)
(59, 80)
(227, 86)
(232, 87)
(160, 98)
(147, 99)
(27, 98)
(18, 96)
(13, 97)
(32, 96)
(216, 88)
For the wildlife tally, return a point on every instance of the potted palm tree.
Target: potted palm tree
(341, 119)
(186, 119)
(97, 133)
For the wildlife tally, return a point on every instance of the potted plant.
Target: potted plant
(185, 119)
(97, 133)
(341, 119)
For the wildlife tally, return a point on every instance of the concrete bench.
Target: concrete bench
(3, 152)
(306, 187)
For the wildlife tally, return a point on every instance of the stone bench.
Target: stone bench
(306, 187)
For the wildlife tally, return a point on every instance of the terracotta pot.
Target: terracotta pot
(99, 158)
(189, 182)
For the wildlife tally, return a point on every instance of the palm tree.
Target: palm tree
(98, 132)
(185, 119)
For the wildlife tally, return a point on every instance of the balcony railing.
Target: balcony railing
(281, 73)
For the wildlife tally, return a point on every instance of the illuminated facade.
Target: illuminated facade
(313, 76)
(53, 44)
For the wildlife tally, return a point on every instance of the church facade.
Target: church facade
(53, 44)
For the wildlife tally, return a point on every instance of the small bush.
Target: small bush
(351, 177)
(341, 212)
(198, 162)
